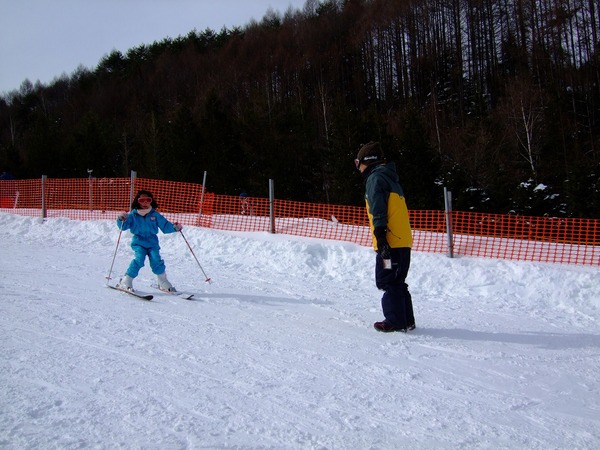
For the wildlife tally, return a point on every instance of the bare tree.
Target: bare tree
(524, 111)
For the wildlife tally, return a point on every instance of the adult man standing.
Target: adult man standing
(392, 236)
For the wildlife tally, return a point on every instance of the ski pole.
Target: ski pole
(207, 280)
(108, 278)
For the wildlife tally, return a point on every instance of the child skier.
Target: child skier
(144, 222)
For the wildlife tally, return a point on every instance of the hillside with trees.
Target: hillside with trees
(497, 100)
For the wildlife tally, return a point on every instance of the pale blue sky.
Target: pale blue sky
(42, 39)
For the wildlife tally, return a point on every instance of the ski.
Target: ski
(183, 295)
(140, 295)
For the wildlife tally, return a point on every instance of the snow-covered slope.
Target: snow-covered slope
(279, 351)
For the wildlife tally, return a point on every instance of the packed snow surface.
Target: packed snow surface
(279, 351)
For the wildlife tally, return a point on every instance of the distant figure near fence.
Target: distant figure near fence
(7, 190)
(246, 205)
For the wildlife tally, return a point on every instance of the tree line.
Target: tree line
(497, 100)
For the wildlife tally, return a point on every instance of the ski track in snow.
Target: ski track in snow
(279, 351)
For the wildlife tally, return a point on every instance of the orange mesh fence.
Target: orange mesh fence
(526, 238)
(539, 239)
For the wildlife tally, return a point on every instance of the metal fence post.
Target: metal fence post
(132, 188)
(202, 194)
(44, 211)
(448, 205)
(272, 205)
(91, 190)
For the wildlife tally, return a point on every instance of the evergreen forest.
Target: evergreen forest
(496, 100)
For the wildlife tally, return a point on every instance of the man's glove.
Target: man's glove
(177, 226)
(383, 248)
(122, 217)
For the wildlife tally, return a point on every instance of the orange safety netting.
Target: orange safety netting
(539, 239)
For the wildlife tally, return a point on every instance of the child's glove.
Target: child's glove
(177, 226)
(122, 217)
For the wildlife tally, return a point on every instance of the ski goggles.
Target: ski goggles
(145, 200)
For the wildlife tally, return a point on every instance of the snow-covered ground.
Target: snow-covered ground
(279, 351)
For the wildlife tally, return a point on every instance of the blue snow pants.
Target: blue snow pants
(153, 253)
(396, 301)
